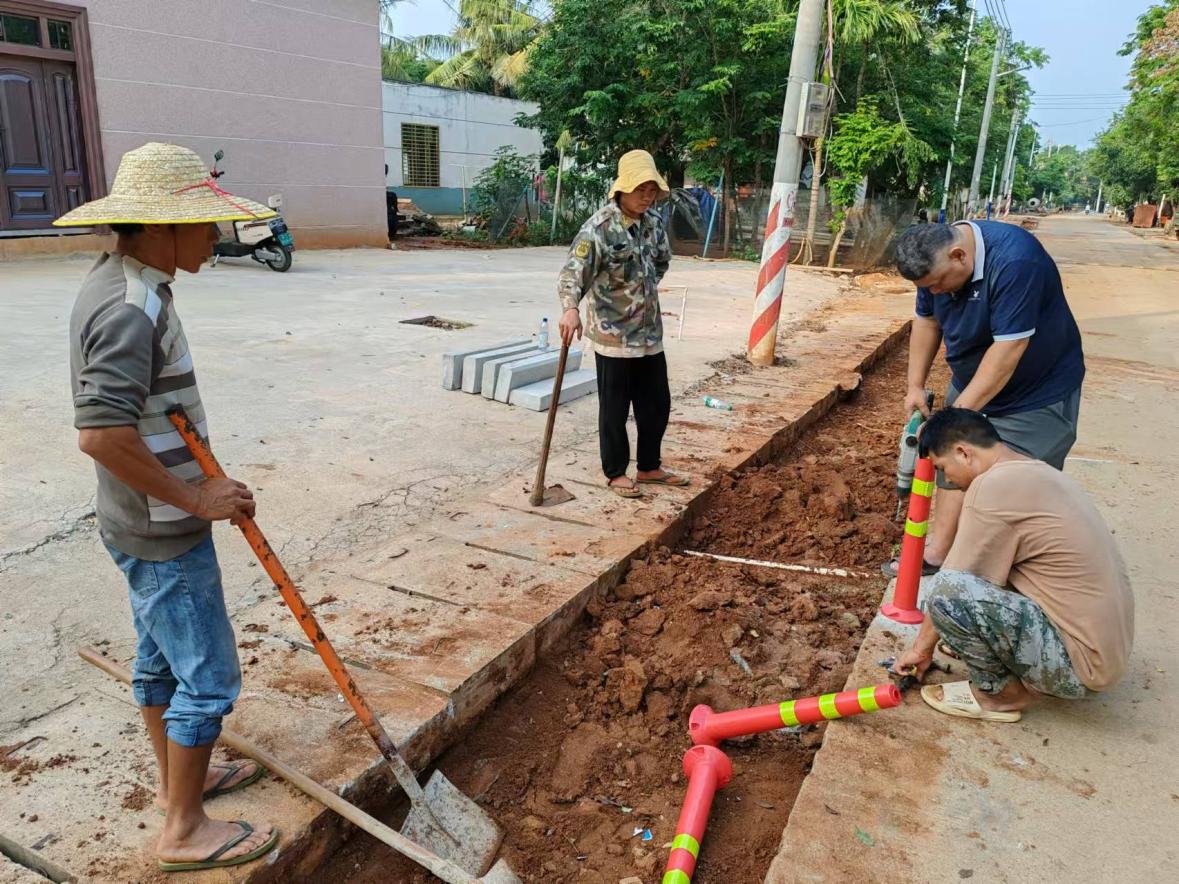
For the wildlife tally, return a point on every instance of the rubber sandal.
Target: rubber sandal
(890, 568)
(630, 492)
(958, 700)
(669, 479)
(946, 651)
(232, 769)
(213, 862)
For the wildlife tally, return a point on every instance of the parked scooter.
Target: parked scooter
(268, 241)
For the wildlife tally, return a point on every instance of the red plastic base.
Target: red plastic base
(709, 755)
(901, 615)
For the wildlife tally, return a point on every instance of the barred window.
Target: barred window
(419, 155)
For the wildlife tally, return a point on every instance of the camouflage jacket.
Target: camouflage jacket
(618, 269)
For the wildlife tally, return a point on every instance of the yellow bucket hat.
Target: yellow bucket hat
(163, 184)
(637, 167)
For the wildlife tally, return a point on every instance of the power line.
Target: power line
(1071, 122)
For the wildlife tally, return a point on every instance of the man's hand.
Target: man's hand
(913, 662)
(915, 401)
(570, 325)
(219, 499)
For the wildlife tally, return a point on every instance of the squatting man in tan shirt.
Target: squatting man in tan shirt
(1033, 597)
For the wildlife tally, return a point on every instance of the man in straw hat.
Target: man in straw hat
(615, 263)
(130, 363)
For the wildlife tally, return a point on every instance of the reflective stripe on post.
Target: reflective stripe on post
(916, 529)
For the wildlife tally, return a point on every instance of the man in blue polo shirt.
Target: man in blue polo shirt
(994, 296)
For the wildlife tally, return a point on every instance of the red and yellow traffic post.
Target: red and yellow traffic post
(707, 769)
(708, 728)
(903, 607)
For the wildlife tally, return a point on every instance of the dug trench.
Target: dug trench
(581, 761)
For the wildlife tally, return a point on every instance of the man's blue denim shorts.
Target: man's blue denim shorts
(186, 655)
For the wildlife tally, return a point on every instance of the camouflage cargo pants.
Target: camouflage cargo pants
(999, 633)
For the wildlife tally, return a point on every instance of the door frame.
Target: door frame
(81, 56)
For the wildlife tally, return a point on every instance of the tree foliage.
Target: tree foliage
(700, 83)
(1138, 154)
(863, 142)
(488, 49)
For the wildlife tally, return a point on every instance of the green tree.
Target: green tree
(858, 24)
(1138, 153)
(489, 48)
(700, 83)
(861, 143)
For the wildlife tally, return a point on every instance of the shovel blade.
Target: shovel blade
(500, 874)
(469, 837)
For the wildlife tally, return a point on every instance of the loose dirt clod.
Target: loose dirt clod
(587, 748)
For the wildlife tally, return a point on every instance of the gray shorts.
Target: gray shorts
(1046, 433)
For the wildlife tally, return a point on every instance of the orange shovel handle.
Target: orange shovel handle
(203, 455)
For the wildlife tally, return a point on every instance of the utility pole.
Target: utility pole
(994, 175)
(976, 176)
(775, 250)
(1009, 160)
(1100, 185)
(941, 215)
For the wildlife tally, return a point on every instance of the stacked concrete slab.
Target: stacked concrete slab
(529, 370)
(516, 372)
(452, 363)
(538, 396)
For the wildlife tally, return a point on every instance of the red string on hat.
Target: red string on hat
(212, 185)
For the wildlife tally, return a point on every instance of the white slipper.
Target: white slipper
(958, 700)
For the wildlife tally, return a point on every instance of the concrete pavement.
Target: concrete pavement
(399, 506)
(1085, 791)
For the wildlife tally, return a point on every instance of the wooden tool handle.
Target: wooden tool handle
(537, 496)
(203, 455)
(443, 868)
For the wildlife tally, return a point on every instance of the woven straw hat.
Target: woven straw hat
(163, 184)
(637, 167)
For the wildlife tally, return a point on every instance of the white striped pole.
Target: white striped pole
(775, 251)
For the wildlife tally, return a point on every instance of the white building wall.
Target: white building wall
(471, 127)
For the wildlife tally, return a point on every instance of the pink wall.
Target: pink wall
(289, 89)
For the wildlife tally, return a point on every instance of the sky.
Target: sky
(1077, 91)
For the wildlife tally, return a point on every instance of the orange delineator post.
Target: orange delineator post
(707, 769)
(708, 728)
(903, 607)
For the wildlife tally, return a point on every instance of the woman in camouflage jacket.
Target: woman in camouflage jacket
(615, 264)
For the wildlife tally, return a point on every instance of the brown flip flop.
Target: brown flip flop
(669, 479)
(630, 492)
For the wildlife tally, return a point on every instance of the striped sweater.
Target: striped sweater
(130, 363)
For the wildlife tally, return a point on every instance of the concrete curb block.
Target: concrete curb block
(493, 369)
(538, 396)
(473, 364)
(452, 363)
(529, 371)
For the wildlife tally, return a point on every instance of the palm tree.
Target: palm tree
(857, 23)
(488, 48)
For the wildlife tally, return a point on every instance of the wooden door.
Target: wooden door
(65, 128)
(42, 155)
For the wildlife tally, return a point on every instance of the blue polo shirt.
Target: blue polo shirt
(1015, 293)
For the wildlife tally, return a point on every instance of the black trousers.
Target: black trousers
(624, 382)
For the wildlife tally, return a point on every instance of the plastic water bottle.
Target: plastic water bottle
(713, 402)
(542, 339)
